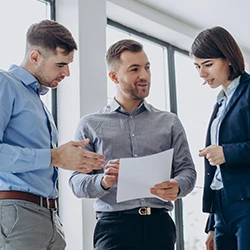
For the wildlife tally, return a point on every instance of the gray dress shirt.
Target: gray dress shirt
(117, 134)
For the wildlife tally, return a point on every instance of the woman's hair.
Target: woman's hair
(217, 42)
(114, 52)
(48, 35)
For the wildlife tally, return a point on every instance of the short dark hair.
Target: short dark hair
(49, 35)
(114, 52)
(217, 42)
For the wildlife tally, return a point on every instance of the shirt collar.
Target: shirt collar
(230, 90)
(28, 79)
(115, 106)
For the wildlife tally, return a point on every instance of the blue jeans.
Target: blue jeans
(27, 226)
(135, 232)
(232, 223)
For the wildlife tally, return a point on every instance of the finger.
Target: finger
(111, 171)
(202, 153)
(200, 150)
(81, 143)
(167, 184)
(112, 165)
(89, 154)
(110, 178)
(116, 161)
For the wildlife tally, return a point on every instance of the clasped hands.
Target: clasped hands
(167, 190)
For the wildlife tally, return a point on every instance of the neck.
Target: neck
(129, 105)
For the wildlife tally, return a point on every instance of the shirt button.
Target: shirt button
(133, 135)
(135, 155)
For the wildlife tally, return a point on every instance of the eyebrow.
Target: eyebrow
(137, 65)
(209, 60)
(62, 63)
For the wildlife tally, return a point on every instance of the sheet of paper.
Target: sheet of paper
(138, 175)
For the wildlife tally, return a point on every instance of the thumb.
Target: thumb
(81, 143)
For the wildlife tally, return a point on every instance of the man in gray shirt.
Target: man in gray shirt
(130, 127)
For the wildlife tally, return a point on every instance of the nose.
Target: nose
(66, 71)
(144, 74)
(202, 72)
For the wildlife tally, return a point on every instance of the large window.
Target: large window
(176, 87)
(157, 57)
(14, 24)
(194, 104)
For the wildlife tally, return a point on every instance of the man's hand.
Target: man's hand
(210, 241)
(167, 190)
(214, 154)
(70, 156)
(110, 174)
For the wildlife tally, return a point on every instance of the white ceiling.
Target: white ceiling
(233, 15)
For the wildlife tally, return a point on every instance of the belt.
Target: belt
(142, 211)
(18, 195)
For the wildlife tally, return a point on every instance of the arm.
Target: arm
(21, 152)
(237, 154)
(209, 229)
(87, 185)
(14, 158)
(210, 241)
(183, 172)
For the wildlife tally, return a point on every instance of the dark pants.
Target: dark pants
(118, 231)
(232, 223)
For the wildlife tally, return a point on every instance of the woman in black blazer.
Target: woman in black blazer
(226, 197)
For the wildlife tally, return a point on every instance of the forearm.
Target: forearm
(237, 154)
(18, 160)
(87, 185)
(186, 180)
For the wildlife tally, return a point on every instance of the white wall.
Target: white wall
(83, 92)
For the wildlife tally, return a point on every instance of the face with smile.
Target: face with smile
(214, 71)
(132, 77)
(52, 69)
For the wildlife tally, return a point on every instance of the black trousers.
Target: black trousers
(119, 231)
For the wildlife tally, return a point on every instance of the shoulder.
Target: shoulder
(161, 113)
(93, 117)
(8, 82)
(245, 77)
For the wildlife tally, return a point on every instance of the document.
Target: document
(137, 175)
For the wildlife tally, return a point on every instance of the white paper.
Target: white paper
(138, 175)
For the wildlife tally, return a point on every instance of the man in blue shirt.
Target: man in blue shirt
(28, 154)
(130, 127)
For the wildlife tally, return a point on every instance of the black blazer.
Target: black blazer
(234, 137)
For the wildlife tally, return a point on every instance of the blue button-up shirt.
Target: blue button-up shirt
(25, 139)
(223, 99)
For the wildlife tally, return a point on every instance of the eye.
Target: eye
(197, 67)
(147, 67)
(134, 69)
(60, 65)
(209, 64)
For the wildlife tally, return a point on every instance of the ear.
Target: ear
(35, 56)
(113, 76)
